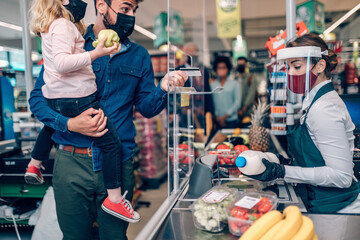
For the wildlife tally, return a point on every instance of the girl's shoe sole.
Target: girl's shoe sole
(32, 178)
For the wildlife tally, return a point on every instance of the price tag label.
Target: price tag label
(214, 197)
(184, 100)
(247, 202)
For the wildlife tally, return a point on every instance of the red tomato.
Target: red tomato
(222, 146)
(264, 200)
(241, 148)
(222, 162)
(237, 148)
(182, 155)
(183, 146)
(263, 208)
(227, 160)
(238, 212)
(214, 153)
(233, 212)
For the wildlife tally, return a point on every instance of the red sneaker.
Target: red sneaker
(122, 210)
(33, 175)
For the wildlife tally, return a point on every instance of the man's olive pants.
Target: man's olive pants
(79, 193)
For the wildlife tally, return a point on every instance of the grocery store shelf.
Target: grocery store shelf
(278, 132)
(278, 115)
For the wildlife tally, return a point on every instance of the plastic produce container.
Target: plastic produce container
(249, 207)
(209, 211)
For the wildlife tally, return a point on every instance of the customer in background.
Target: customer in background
(248, 85)
(228, 101)
(203, 103)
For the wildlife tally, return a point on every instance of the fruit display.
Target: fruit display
(290, 225)
(258, 135)
(184, 154)
(209, 211)
(225, 157)
(111, 35)
(151, 142)
(250, 207)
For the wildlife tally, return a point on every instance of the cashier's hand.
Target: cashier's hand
(272, 172)
(173, 79)
(91, 123)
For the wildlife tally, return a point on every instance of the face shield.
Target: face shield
(293, 76)
(298, 66)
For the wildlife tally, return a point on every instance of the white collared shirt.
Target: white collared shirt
(330, 127)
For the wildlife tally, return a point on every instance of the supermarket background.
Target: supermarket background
(261, 22)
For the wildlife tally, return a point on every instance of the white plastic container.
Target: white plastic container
(250, 162)
(209, 211)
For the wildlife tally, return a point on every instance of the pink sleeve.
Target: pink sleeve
(63, 38)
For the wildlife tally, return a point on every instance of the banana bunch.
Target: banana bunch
(291, 225)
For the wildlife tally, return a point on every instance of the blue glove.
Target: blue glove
(272, 171)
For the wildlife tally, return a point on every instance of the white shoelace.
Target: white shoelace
(127, 204)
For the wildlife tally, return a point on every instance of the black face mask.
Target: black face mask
(77, 8)
(124, 25)
(240, 68)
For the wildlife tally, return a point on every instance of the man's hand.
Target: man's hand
(101, 50)
(90, 123)
(176, 79)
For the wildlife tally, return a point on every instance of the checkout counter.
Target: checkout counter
(174, 219)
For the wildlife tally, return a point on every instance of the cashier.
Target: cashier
(322, 143)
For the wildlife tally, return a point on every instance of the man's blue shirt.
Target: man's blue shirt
(123, 81)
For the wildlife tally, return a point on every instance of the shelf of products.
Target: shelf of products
(278, 102)
(159, 62)
(151, 142)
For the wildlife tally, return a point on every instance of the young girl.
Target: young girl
(70, 89)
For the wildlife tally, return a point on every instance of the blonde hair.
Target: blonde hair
(44, 12)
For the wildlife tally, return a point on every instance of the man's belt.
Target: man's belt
(73, 149)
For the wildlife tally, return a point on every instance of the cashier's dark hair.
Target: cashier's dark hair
(222, 59)
(313, 39)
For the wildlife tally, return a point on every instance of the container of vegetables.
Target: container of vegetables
(209, 211)
(248, 208)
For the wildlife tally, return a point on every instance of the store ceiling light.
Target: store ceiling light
(145, 32)
(342, 19)
(12, 26)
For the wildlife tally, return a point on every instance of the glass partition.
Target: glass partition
(189, 107)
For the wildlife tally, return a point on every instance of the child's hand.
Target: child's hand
(101, 50)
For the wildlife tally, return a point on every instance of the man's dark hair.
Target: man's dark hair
(223, 59)
(242, 58)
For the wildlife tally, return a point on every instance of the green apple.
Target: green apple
(111, 37)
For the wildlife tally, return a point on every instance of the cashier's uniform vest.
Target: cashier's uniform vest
(317, 198)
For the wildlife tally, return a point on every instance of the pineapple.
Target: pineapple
(258, 136)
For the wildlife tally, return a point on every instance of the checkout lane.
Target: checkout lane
(174, 218)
